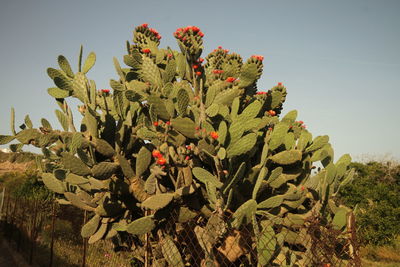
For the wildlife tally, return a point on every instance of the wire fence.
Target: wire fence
(48, 234)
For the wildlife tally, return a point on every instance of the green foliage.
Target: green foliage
(375, 192)
(26, 184)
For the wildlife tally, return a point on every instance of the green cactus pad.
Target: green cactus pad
(304, 139)
(206, 177)
(249, 75)
(74, 164)
(103, 147)
(79, 86)
(150, 72)
(236, 178)
(259, 181)
(53, 183)
(125, 166)
(142, 161)
(141, 226)
(63, 83)
(276, 99)
(99, 234)
(76, 143)
(170, 71)
(275, 174)
(250, 112)
(242, 146)
(89, 62)
(157, 202)
(5, 139)
(62, 118)
(226, 97)
(159, 107)
(348, 178)
(294, 220)
(55, 73)
(116, 86)
(294, 204)
(289, 141)
(222, 132)
(58, 93)
(243, 215)
(271, 202)
(27, 135)
(171, 252)
(317, 143)
(266, 244)
(278, 135)
(287, 157)
(104, 170)
(212, 110)
(290, 117)
(91, 226)
(134, 60)
(150, 184)
(77, 201)
(76, 179)
(185, 126)
(185, 214)
(46, 124)
(65, 66)
(340, 219)
(320, 154)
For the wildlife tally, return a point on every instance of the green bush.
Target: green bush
(25, 185)
(375, 193)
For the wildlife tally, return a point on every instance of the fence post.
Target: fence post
(146, 252)
(8, 231)
(53, 220)
(84, 241)
(353, 246)
(19, 224)
(2, 202)
(12, 221)
(32, 231)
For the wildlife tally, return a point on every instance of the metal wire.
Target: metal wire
(49, 235)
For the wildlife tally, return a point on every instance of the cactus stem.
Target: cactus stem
(71, 120)
(92, 154)
(202, 107)
(137, 189)
(106, 104)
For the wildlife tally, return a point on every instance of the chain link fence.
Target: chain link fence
(48, 234)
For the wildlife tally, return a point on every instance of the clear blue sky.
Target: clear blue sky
(340, 60)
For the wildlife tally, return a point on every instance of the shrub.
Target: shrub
(375, 193)
(26, 184)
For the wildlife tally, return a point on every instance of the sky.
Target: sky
(340, 60)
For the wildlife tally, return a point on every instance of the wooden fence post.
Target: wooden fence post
(32, 234)
(53, 221)
(84, 241)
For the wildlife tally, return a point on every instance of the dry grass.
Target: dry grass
(385, 256)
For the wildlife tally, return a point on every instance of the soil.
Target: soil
(8, 257)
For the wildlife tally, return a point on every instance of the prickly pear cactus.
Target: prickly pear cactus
(179, 137)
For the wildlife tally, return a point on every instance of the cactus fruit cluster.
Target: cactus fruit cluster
(186, 139)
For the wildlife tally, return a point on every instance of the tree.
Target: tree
(375, 193)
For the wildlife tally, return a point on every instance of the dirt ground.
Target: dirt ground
(9, 258)
(13, 167)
